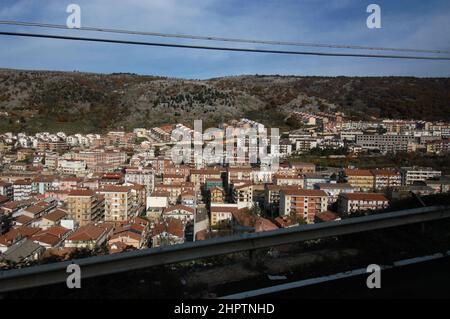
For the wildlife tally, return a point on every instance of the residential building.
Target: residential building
(6, 189)
(85, 206)
(169, 231)
(360, 179)
(310, 179)
(303, 203)
(89, 236)
(118, 203)
(334, 190)
(242, 194)
(181, 212)
(72, 167)
(289, 180)
(384, 178)
(222, 214)
(385, 143)
(22, 190)
(351, 203)
(142, 176)
(411, 175)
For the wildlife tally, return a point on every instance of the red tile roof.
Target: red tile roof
(365, 197)
(179, 207)
(358, 172)
(55, 215)
(89, 232)
(172, 226)
(305, 192)
(81, 192)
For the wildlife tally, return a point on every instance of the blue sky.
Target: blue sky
(406, 23)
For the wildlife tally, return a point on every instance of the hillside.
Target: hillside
(84, 102)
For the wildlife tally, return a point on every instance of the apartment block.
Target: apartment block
(6, 189)
(22, 190)
(360, 179)
(334, 190)
(118, 203)
(304, 203)
(385, 143)
(289, 180)
(411, 175)
(242, 194)
(143, 176)
(85, 206)
(384, 178)
(351, 203)
(71, 167)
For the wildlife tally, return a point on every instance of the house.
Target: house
(169, 231)
(22, 220)
(174, 190)
(132, 234)
(243, 220)
(89, 236)
(188, 198)
(351, 203)
(285, 222)
(222, 213)
(37, 210)
(15, 235)
(181, 212)
(51, 237)
(23, 251)
(51, 219)
(158, 201)
(11, 208)
(199, 176)
(327, 216)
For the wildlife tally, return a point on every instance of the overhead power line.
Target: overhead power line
(172, 45)
(223, 39)
(50, 36)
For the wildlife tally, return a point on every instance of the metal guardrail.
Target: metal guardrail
(36, 276)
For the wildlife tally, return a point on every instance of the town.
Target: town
(85, 194)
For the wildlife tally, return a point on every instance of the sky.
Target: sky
(405, 24)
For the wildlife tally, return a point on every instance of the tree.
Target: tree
(296, 219)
